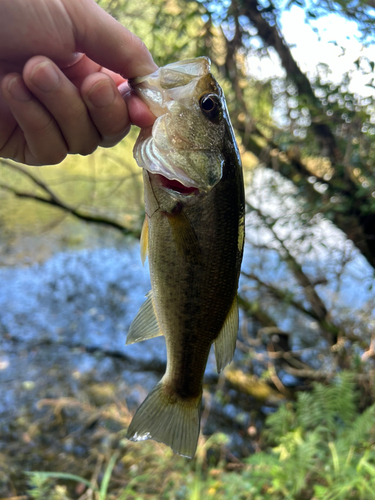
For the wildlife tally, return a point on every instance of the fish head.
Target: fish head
(184, 146)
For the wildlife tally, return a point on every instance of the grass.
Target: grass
(154, 473)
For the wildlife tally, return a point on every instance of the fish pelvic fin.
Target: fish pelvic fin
(168, 419)
(145, 325)
(144, 240)
(225, 343)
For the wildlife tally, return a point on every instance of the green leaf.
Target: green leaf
(62, 475)
(107, 476)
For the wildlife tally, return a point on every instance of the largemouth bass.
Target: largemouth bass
(194, 234)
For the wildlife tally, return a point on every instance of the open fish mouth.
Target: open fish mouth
(176, 186)
(182, 145)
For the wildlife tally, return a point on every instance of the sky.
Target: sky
(308, 50)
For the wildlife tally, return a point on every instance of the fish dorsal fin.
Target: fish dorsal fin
(225, 343)
(185, 238)
(144, 240)
(145, 325)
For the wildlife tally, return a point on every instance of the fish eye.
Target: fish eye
(210, 105)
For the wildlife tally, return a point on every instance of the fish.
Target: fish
(193, 235)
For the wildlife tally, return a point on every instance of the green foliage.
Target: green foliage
(172, 29)
(321, 447)
(40, 487)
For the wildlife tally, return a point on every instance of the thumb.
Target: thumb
(107, 42)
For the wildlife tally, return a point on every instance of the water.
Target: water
(86, 298)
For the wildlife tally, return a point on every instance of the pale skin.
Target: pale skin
(63, 87)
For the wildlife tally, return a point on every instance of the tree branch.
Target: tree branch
(324, 323)
(88, 214)
(319, 310)
(358, 225)
(359, 229)
(282, 295)
(273, 38)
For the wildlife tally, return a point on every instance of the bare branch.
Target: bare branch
(253, 310)
(281, 294)
(35, 179)
(325, 374)
(324, 323)
(315, 301)
(318, 309)
(88, 214)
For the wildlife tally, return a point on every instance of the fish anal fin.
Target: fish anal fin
(144, 240)
(184, 237)
(225, 343)
(145, 325)
(170, 420)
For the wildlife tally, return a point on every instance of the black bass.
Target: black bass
(194, 234)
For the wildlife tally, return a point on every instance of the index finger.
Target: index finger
(107, 42)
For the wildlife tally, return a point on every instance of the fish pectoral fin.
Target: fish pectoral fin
(185, 238)
(168, 419)
(225, 343)
(145, 325)
(144, 240)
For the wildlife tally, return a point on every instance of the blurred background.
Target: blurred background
(293, 416)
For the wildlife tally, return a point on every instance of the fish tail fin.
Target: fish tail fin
(169, 419)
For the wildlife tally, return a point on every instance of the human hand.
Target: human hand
(63, 65)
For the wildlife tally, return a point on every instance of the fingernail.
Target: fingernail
(102, 94)
(75, 58)
(18, 90)
(124, 89)
(45, 77)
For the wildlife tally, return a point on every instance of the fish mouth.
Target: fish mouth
(166, 149)
(176, 186)
(158, 162)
